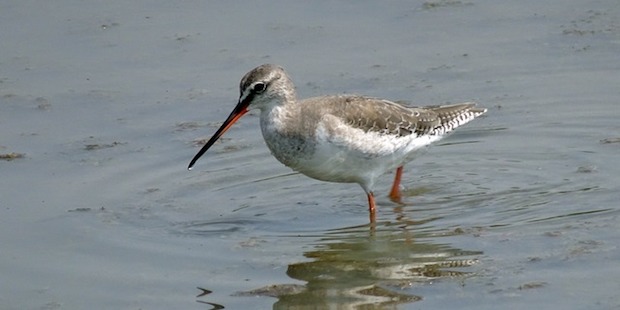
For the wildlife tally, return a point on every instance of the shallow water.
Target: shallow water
(104, 104)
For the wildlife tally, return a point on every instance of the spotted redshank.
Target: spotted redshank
(340, 138)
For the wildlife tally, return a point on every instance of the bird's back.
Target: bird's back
(390, 118)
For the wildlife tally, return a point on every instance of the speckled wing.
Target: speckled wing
(390, 118)
(386, 117)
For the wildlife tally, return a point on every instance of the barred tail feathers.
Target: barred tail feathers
(455, 115)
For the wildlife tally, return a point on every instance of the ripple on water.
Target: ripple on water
(213, 227)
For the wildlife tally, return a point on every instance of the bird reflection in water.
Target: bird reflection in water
(357, 267)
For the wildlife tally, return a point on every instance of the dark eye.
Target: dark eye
(259, 87)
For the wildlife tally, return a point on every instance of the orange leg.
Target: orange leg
(395, 193)
(371, 206)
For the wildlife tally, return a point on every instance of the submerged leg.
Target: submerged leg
(395, 194)
(371, 206)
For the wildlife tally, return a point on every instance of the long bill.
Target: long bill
(235, 115)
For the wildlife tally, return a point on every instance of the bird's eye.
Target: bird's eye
(259, 87)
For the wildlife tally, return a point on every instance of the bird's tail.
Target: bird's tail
(455, 115)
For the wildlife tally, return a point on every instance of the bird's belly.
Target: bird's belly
(333, 163)
(343, 158)
(345, 167)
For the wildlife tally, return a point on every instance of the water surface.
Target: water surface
(102, 105)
